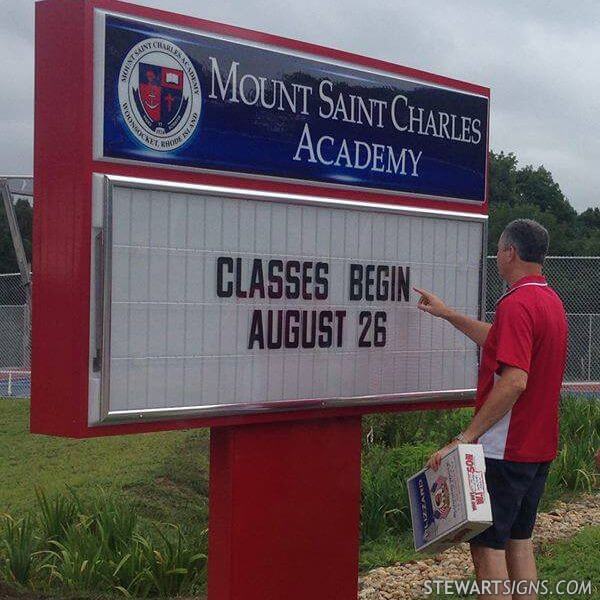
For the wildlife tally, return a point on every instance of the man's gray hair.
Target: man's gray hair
(529, 239)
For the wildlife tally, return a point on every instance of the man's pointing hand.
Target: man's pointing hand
(431, 304)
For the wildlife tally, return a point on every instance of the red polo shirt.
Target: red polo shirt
(529, 332)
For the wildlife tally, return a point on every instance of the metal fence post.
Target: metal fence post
(590, 350)
(15, 233)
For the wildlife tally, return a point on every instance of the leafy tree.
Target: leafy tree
(536, 186)
(502, 178)
(530, 192)
(502, 214)
(590, 219)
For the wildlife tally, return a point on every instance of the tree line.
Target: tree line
(532, 193)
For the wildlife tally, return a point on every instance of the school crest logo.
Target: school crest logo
(159, 94)
(440, 495)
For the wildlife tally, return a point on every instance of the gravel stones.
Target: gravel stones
(405, 580)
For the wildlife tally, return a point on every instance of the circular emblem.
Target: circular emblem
(159, 94)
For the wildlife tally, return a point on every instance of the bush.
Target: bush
(398, 445)
(18, 546)
(56, 515)
(418, 427)
(574, 470)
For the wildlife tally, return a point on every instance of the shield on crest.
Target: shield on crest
(159, 97)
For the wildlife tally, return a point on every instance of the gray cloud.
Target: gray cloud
(539, 59)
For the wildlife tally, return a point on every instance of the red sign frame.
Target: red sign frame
(63, 170)
(284, 486)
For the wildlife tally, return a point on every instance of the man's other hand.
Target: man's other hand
(430, 303)
(436, 458)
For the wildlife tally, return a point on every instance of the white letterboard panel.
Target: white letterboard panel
(195, 322)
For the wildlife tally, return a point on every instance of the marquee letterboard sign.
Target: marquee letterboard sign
(241, 230)
(218, 301)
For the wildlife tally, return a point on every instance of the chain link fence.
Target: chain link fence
(15, 338)
(576, 279)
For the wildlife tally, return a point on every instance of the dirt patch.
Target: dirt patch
(9, 593)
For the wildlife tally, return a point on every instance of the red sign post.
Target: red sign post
(285, 462)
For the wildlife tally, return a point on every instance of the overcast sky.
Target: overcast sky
(540, 58)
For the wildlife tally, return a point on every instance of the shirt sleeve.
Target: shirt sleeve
(514, 336)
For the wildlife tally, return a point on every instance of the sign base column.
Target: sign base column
(285, 510)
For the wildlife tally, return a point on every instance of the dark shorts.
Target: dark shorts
(515, 490)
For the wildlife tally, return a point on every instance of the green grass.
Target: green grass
(165, 475)
(387, 549)
(163, 478)
(574, 559)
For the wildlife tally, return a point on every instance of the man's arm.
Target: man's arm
(504, 394)
(472, 328)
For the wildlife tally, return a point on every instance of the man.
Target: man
(516, 410)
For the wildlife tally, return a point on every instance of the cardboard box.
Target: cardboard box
(450, 505)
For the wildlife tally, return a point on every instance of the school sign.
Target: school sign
(183, 99)
(229, 225)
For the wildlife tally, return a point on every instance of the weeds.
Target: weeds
(19, 544)
(171, 569)
(56, 515)
(397, 446)
(98, 546)
(385, 507)
(573, 468)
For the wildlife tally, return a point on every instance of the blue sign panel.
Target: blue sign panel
(185, 99)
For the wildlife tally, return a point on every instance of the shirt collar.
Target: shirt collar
(535, 280)
(528, 279)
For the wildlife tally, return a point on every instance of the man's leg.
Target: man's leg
(490, 571)
(520, 562)
(520, 558)
(507, 483)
